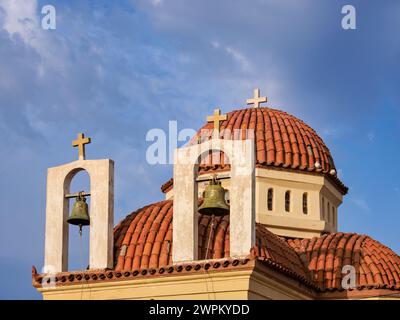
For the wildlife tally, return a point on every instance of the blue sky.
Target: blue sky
(115, 70)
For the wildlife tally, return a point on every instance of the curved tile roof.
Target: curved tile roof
(376, 265)
(282, 140)
(143, 240)
(143, 247)
(92, 276)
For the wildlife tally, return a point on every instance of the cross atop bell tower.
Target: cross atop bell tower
(101, 241)
(216, 118)
(256, 100)
(80, 143)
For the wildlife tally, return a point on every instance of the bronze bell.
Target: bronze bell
(80, 212)
(214, 200)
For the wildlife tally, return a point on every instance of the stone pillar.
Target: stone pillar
(101, 211)
(185, 204)
(242, 197)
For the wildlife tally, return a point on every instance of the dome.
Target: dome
(376, 265)
(282, 141)
(143, 240)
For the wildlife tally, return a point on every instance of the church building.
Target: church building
(251, 212)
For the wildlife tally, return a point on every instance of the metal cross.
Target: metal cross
(216, 118)
(80, 143)
(256, 100)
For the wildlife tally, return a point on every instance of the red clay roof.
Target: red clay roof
(282, 140)
(376, 265)
(143, 247)
(143, 240)
(90, 276)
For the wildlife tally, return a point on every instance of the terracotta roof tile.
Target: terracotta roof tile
(150, 244)
(281, 140)
(90, 276)
(143, 247)
(376, 265)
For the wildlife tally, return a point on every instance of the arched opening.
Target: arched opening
(241, 211)
(213, 231)
(270, 199)
(78, 247)
(287, 201)
(213, 160)
(305, 203)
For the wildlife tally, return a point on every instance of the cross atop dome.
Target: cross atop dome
(256, 100)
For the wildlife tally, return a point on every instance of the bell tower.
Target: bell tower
(242, 193)
(101, 174)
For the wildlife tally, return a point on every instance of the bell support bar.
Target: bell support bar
(76, 195)
(208, 176)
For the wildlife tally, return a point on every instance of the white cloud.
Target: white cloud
(330, 132)
(361, 203)
(239, 57)
(234, 53)
(215, 44)
(20, 18)
(157, 3)
(371, 136)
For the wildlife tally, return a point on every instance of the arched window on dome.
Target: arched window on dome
(287, 201)
(328, 214)
(270, 198)
(305, 203)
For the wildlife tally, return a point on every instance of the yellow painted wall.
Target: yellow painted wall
(323, 201)
(224, 285)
